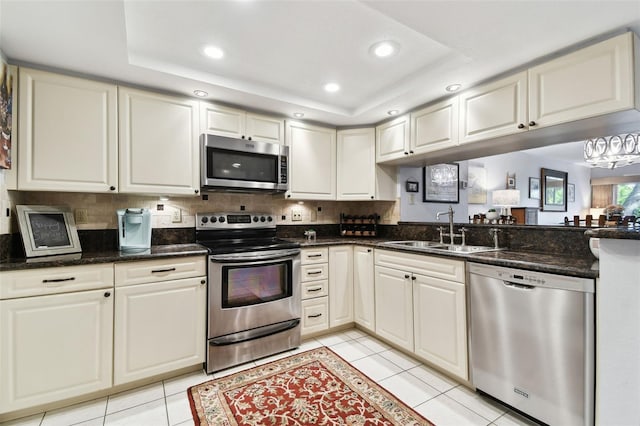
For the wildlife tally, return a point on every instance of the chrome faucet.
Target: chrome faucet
(451, 234)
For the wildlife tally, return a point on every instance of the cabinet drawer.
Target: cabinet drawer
(309, 256)
(314, 272)
(315, 315)
(438, 267)
(159, 270)
(63, 279)
(313, 289)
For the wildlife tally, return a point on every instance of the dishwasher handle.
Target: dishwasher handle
(518, 285)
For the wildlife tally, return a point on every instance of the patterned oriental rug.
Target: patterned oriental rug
(316, 387)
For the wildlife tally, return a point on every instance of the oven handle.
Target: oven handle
(256, 333)
(251, 256)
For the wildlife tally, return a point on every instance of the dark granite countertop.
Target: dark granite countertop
(553, 264)
(88, 258)
(615, 233)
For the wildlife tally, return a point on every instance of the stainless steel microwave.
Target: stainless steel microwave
(242, 165)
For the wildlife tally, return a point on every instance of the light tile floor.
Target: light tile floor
(165, 403)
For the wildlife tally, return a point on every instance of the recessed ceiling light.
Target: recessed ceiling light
(213, 52)
(385, 49)
(298, 114)
(453, 87)
(393, 112)
(200, 93)
(331, 87)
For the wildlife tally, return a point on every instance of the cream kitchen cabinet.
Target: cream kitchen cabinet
(596, 80)
(312, 161)
(363, 288)
(359, 177)
(340, 285)
(159, 151)
(435, 127)
(393, 139)
(160, 317)
(314, 279)
(494, 109)
(394, 307)
(56, 334)
(236, 123)
(68, 131)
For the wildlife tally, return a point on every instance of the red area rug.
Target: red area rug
(316, 387)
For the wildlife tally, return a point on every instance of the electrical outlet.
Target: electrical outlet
(176, 215)
(81, 216)
(412, 199)
(296, 215)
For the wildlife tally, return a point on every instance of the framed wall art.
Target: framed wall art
(534, 188)
(477, 185)
(441, 183)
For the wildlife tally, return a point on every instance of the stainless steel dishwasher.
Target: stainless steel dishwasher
(532, 342)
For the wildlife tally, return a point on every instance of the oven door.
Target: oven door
(250, 290)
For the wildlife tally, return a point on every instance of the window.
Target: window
(628, 196)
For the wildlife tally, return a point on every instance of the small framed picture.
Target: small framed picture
(47, 230)
(511, 181)
(534, 188)
(412, 186)
(571, 193)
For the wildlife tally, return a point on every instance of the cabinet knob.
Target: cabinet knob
(520, 126)
(112, 188)
(203, 282)
(107, 293)
(407, 276)
(242, 136)
(406, 153)
(532, 123)
(368, 250)
(372, 197)
(288, 195)
(413, 278)
(249, 137)
(196, 191)
(410, 152)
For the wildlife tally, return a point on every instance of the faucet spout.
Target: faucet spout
(449, 212)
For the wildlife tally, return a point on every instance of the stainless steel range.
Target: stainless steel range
(254, 288)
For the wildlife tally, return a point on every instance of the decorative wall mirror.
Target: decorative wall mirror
(554, 190)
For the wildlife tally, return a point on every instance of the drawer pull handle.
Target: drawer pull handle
(314, 289)
(314, 316)
(314, 255)
(314, 272)
(157, 271)
(58, 280)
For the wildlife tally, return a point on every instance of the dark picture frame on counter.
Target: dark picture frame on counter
(441, 183)
(553, 190)
(47, 230)
(534, 188)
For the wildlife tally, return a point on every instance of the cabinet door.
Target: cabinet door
(159, 327)
(394, 306)
(312, 162)
(393, 139)
(54, 347)
(264, 128)
(340, 285)
(495, 109)
(158, 143)
(68, 134)
(435, 127)
(363, 288)
(221, 121)
(356, 164)
(440, 320)
(315, 315)
(589, 82)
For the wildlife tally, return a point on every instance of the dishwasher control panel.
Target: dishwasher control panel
(520, 277)
(532, 278)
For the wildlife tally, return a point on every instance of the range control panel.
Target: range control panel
(234, 221)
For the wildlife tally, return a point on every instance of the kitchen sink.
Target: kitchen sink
(437, 246)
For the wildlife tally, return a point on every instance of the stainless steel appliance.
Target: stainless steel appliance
(532, 342)
(243, 165)
(254, 288)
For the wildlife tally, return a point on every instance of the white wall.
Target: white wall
(524, 165)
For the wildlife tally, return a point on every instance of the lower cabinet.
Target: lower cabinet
(160, 324)
(394, 308)
(314, 279)
(55, 346)
(315, 315)
(364, 309)
(340, 285)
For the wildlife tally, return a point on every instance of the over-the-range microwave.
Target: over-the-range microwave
(242, 165)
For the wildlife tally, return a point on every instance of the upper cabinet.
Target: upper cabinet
(235, 123)
(68, 133)
(592, 81)
(312, 161)
(434, 127)
(158, 143)
(393, 139)
(495, 109)
(359, 177)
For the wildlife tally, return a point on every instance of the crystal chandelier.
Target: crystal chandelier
(612, 151)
